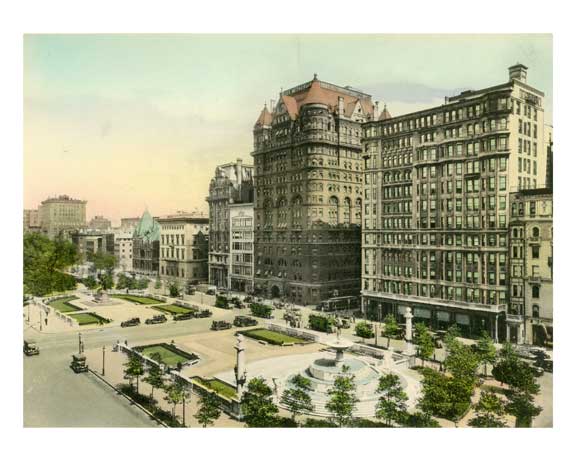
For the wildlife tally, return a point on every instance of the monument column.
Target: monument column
(240, 367)
(408, 317)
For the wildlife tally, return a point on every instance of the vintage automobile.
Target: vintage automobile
(130, 323)
(79, 363)
(156, 319)
(220, 325)
(184, 316)
(203, 314)
(31, 348)
(243, 321)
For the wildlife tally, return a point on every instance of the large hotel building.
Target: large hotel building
(308, 181)
(436, 193)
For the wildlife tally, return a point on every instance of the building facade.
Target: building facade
(59, 216)
(232, 183)
(123, 250)
(241, 271)
(31, 221)
(91, 242)
(100, 223)
(184, 249)
(531, 251)
(436, 214)
(128, 224)
(146, 246)
(308, 180)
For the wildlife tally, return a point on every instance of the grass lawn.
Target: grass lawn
(219, 387)
(62, 305)
(172, 309)
(88, 318)
(137, 299)
(272, 337)
(168, 356)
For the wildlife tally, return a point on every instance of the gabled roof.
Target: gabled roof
(265, 118)
(385, 115)
(147, 228)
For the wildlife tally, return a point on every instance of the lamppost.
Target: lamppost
(103, 359)
(40, 310)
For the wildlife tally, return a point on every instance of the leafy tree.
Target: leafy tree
(143, 283)
(516, 373)
(392, 402)
(175, 394)
(343, 400)
(102, 261)
(451, 336)
(420, 419)
(133, 369)
(391, 328)
(486, 351)
(364, 330)
(44, 261)
(424, 342)
(488, 411)
(106, 281)
(444, 396)
(257, 406)
(209, 410)
(158, 283)
(174, 290)
(297, 398)
(462, 362)
(521, 405)
(155, 376)
(90, 282)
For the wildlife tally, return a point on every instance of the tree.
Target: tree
(174, 290)
(158, 283)
(451, 336)
(343, 400)
(155, 374)
(364, 330)
(90, 282)
(392, 402)
(486, 351)
(106, 281)
(257, 406)
(209, 410)
(103, 261)
(391, 328)
(424, 342)
(420, 419)
(516, 373)
(143, 283)
(174, 395)
(488, 411)
(44, 263)
(133, 369)
(521, 405)
(462, 362)
(297, 398)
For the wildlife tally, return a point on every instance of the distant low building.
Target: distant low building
(128, 224)
(146, 246)
(90, 242)
(62, 215)
(123, 250)
(100, 223)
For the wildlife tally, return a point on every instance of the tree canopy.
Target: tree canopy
(257, 406)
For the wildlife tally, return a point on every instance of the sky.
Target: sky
(129, 122)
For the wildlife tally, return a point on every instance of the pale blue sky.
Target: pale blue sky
(126, 121)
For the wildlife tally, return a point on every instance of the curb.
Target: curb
(128, 398)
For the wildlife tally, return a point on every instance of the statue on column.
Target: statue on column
(408, 336)
(240, 368)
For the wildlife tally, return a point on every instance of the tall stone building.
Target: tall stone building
(184, 249)
(308, 179)
(232, 183)
(146, 246)
(123, 249)
(100, 223)
(31, 221)
(436, 217)
(59, 216)
(531, 250)
(241, 247)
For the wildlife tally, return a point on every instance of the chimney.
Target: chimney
(340, 105)
(518, 72)
(376, 111)
(239, 171)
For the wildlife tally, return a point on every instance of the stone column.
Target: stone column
(240, 368)
(408, 317)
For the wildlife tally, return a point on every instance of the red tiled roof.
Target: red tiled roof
(265, 118)
(385, 115)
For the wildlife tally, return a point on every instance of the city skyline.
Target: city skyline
(124, 121)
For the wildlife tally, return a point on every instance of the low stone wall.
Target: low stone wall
(294, 332)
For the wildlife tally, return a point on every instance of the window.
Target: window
(535, 252)
(536, 311)
(535, 232)
(536, 291)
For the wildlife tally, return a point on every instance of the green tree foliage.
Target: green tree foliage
(420, 419)
(516, 373)
(125, 281)
(222, 302)
(297, 398)
(133, 369)
(521, 405)
(424, 342)
(143, 283)
(257, 406)
(343, 400)
(488, 411)
(462, 362)
(158, 283)
(90, 282)
(364, 330)
(486, 351)
(175, 394)
(320, 323)
(44, 261)
(391, 406)
(155, 377)
(260, 310)
(452, 335)
(106, 281)
(209, 409)
(391, 328)
(443, 396)
(102, 261)
(174, 290)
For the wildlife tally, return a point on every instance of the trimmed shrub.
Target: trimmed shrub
(261, 310)
(320, 323)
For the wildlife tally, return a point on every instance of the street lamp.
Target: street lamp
(103, 359)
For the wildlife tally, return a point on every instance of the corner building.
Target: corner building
(308, 182)
(436, 187)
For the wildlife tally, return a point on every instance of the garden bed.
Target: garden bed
(170, 355)
(272, 337)
(173, 309)
(63, 306)
(137, 299)
(220, 387)
(88, 318)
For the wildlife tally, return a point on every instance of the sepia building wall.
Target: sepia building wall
(59, 216)
(436, 190)
(308, 180)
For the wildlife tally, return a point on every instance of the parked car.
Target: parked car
(31, 348)
(538, 371)
(79, 363)
(156, 319)
(211, 292)
(131, 323)
(203, 314)
(184, 316)
(243, 321)
(220, 325)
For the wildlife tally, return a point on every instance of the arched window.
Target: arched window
(282, 212)
(535, 232)
(536, 311)
(296, 211)
(346, 211)
(333, 211)
(515, 232)
(535, 291)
